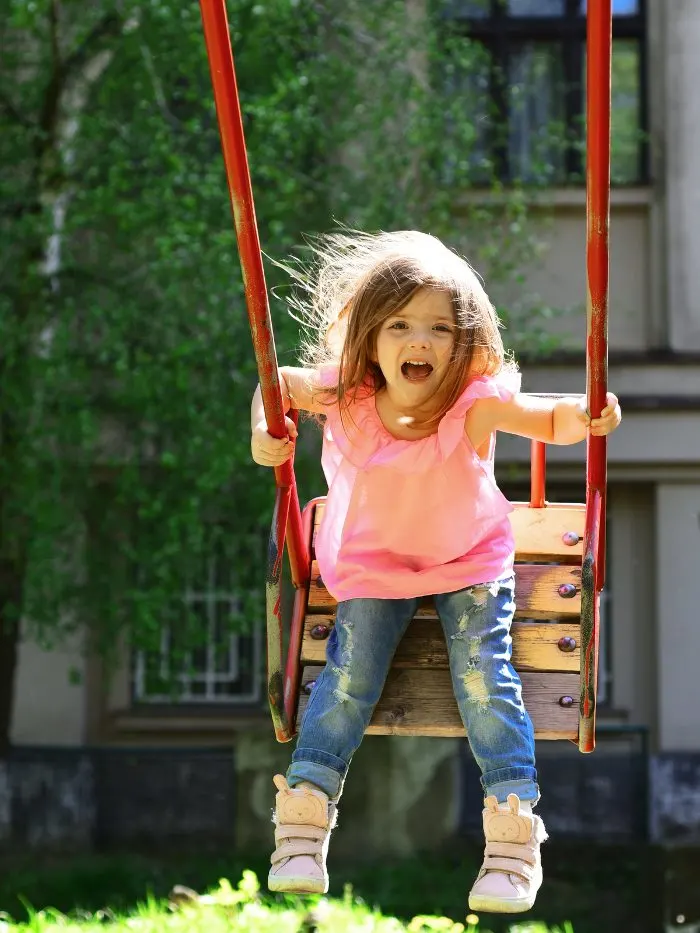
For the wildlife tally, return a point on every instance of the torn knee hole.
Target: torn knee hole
(341, 691)
(481, 593)
(476, 689)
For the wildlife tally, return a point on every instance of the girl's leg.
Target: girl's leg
(476, 622)
(358, 656)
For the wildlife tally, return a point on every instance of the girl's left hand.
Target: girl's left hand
(610, 417)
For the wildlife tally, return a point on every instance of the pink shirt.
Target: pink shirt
(411, 518)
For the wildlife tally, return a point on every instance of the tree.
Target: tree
(125, 368)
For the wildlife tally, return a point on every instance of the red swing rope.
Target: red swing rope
(598, 95)
(598, 92)
(287, 513)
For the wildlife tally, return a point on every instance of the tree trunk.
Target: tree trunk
(11, 593)
(14, 530)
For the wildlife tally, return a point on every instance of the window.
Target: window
(520, 66)
(208, 659)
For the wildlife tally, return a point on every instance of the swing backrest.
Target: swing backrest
(418, 697)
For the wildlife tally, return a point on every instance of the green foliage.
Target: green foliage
(126, 366)
(241, 909)
(125, 363)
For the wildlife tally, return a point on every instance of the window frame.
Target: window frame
(498, 29)
(251, 642)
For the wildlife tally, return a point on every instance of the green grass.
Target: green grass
(242, 909)
(594, 889)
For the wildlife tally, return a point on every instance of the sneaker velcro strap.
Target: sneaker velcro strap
(291, 831)
(295, 847)
(512, 866)
(511, 850)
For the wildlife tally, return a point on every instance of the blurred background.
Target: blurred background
(135, 744)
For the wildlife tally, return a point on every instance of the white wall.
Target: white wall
(668, 438)
(682, 156)
(632, 635)
(49, 709)
(678, 615)
(556, 278)
(560, 278)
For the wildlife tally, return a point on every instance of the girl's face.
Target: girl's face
(414, 347)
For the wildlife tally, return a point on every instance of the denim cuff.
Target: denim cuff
(524, 790)
(319, 768)
(520, 781)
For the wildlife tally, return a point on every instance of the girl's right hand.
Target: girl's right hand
(272, 451)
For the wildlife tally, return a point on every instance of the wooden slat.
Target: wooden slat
(535, 645)
(421, 702)
(538, 532)
(536, 592)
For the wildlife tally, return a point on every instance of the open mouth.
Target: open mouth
(416, 370)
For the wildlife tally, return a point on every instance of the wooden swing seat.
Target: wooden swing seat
(418, 697)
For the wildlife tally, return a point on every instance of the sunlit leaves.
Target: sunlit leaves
(129, 373)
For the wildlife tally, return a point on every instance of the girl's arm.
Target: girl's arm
(300, 390)
(556, 421)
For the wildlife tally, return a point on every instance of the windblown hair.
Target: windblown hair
(358, 280)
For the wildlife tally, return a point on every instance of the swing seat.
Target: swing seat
(418, 696)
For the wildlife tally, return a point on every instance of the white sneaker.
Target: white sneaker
(511, 874)
(303, 817)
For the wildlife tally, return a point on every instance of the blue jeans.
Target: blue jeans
(476, 622)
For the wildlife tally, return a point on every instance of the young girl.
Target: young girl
(408, 368)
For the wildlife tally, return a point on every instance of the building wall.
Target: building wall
(682, 172)
(678, 614)
(632, 585)
(49, 707)
(558, 279)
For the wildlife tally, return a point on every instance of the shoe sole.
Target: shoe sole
(297, 885)
(495, 905)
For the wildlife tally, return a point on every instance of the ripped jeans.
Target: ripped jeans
(476, 622)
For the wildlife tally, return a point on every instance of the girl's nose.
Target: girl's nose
(419, 339)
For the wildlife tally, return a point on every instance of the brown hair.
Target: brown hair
(359, 280)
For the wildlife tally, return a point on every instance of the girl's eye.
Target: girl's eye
(443, 328)
(397, 325)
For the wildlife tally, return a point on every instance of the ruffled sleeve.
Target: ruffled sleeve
(363, 440)
(504, 385)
